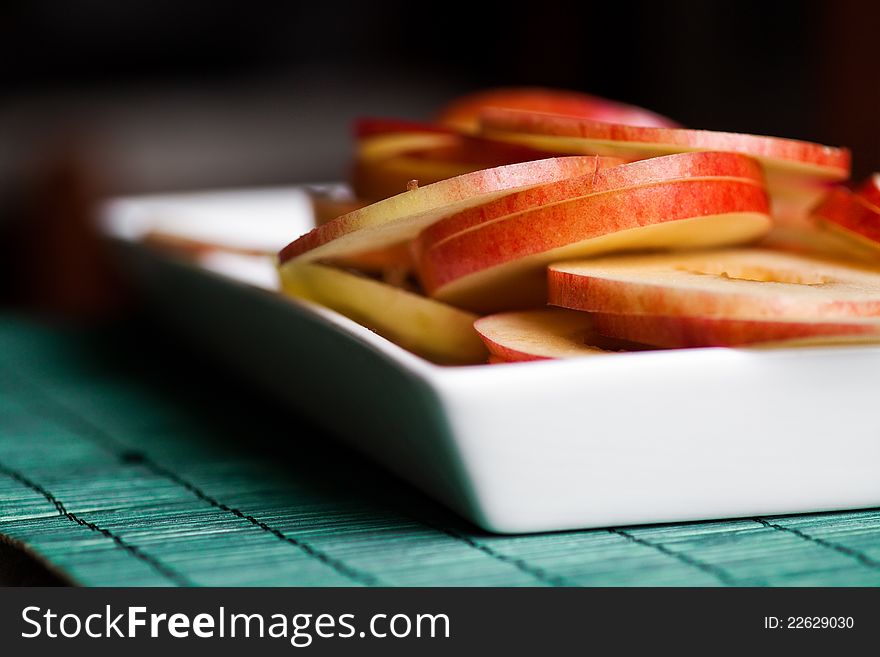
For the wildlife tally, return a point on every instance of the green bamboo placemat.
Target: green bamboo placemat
(128, 459)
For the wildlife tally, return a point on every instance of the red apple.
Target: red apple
(500, 265)
(567, 134)
(745, 284)
(688, 331)
(402, 217)
(464, 113)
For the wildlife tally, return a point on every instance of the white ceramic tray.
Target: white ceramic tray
(622, 439)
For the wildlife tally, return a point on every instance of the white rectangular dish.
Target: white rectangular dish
(628, 438)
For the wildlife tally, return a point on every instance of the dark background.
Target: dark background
(117, 96)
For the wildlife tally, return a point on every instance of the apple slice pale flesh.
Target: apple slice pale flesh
(544, 334)
(610, 174)
(426, 327)
(464, 113)
(692, 331)
(743, 284)
(500, 265)
(565, 134)
(402, 217)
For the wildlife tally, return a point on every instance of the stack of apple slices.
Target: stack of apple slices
(721, 298)
(854, 218)
(493, 257)
(534, 214)
(797, 172)
(516, 199)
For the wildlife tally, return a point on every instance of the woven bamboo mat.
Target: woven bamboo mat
(127, 459)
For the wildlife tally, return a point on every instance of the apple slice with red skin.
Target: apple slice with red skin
(426, 327)
(544, 334)
(500, 265)
(565, 134)
(853, 216)
(741, 284)
(695, 331)
(464, 113)
(609, 174)
(402, 217)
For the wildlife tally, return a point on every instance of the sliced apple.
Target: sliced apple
(852, 216)
(500, 265)
(610, 174)
(687, 331)
(426, 327)
(565, 134)
(391, 262)
(537, 335)
(402, 217)
(743, 284)
(386, 159)
(464, 113)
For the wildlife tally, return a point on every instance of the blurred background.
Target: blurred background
(102, 97)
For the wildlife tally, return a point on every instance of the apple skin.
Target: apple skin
(687, 331)
(609, 174)
(535, 236)
(741, 284)
(403, 216)
(464, 113)
(625, 140)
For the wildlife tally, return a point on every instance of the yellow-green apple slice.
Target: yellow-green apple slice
(699, 331)
(426, 327)
(500, 265)
(745, 284)
(464, 113)
(564, 134)
(402, 217)
(610, 174)
(543, 334)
